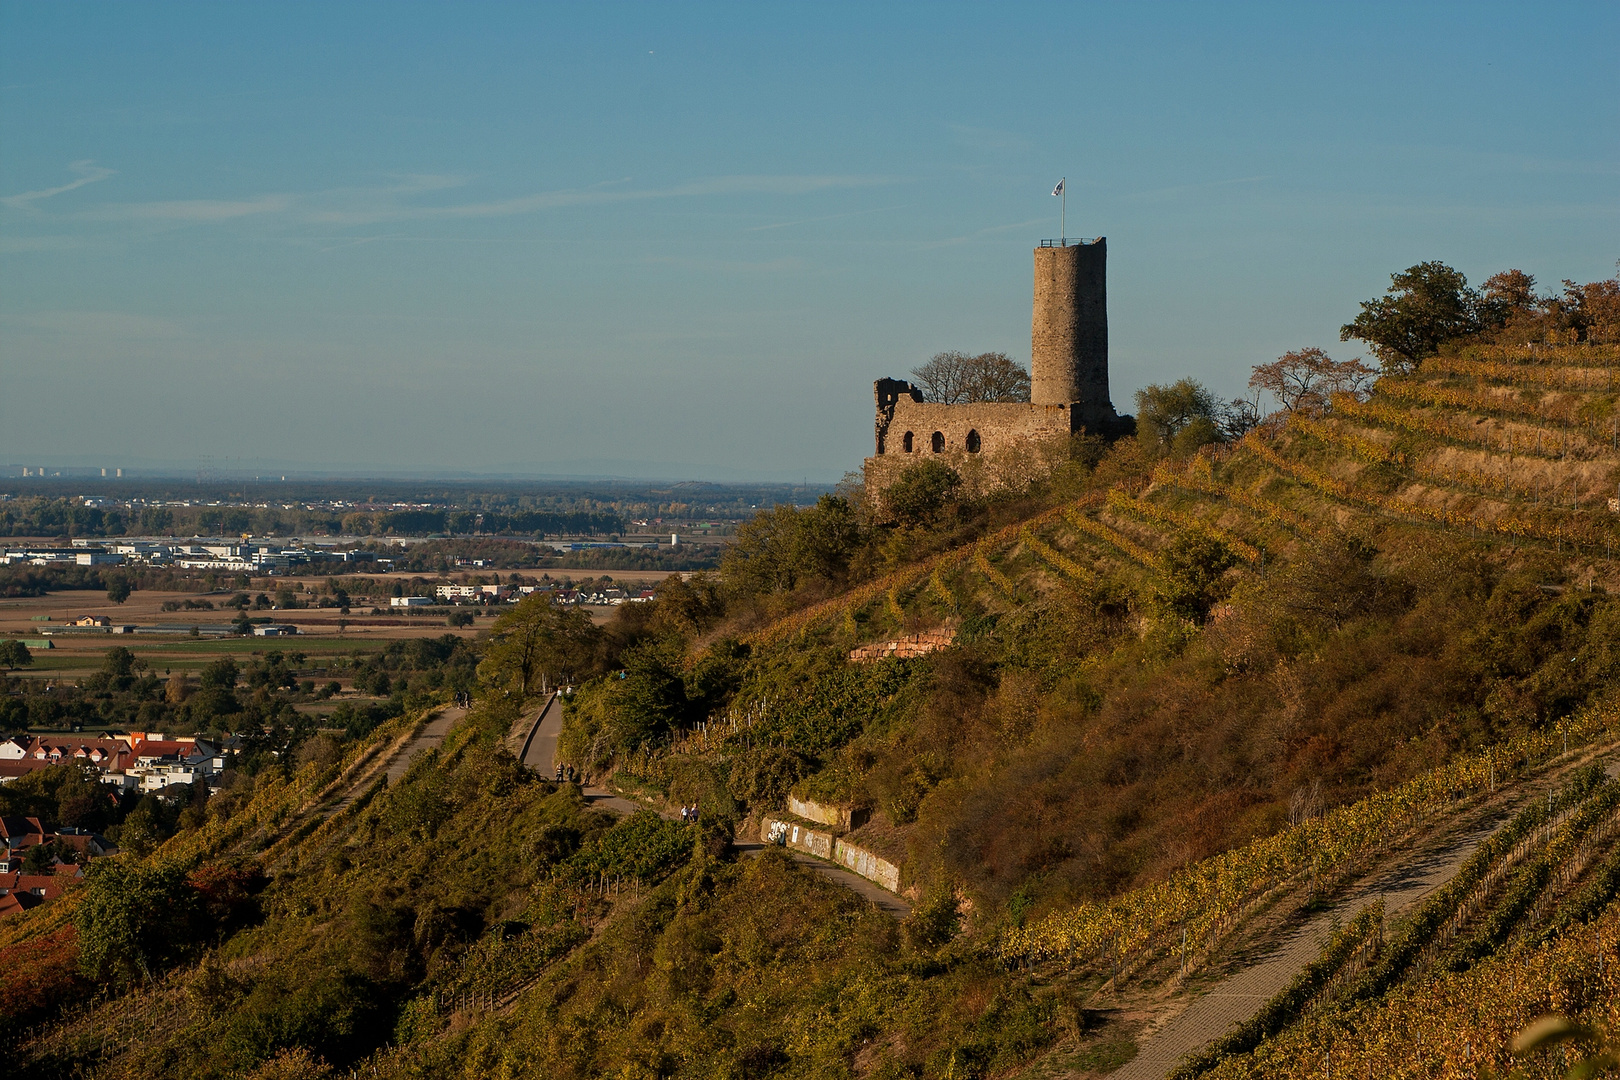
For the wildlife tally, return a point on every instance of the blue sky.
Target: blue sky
(683, 239)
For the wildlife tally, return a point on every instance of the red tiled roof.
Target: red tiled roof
(28, 829)
(37, 886)
(113, 754)
(10, 770)
(161, 748)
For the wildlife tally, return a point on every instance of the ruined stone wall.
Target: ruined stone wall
(990, 444)
(974, 429)
(995, 445)
(982, 473)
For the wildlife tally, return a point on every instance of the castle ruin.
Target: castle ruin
(992, 443)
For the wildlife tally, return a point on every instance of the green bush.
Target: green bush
(133, 919)
(643, 846)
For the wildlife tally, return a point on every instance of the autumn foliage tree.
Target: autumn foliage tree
(535, 637)
(1305, 380)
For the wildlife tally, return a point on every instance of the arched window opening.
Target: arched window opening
(939, 442)
(973, 442)
(880, 442)
(908, 446)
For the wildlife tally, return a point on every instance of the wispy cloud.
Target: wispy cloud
(990, 140)
(198, 210)
(22, 245)
(826, 217)
(88, 173)
(400, 201)
(989, 230)
(597, 195)
(730, 266)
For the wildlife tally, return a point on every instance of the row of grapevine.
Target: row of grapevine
(1319, 977)
(1366, 449)
(1140, 507)
(1376, 453)
(1463, 429)
(981, 563)
(1112, 537)
(1421, 931)
(976, 554)
(1201, 899)
(1202, 480)
(1564, 413)
(1547, 376)
(1455, 1025)
(276, 801)
(1052, 556)
(1531, 881)
(1583, 355)
(1507, 524)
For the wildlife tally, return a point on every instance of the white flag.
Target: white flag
(1059, 189)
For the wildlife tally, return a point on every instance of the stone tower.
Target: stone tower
(1069, 331)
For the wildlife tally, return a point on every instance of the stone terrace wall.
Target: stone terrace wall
(869, 866)
(904, 648)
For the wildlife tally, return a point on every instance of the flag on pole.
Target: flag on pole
(1059, 189)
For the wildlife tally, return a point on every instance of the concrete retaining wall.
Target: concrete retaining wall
(839, 817)
(800, 837)
(824, 845)
(868, 865)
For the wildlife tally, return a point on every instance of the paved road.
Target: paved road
(535, 743)
(836, 874)
(1236, 998)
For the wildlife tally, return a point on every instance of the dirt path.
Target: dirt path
(1237, 997)
(429, 738)
(395, 763)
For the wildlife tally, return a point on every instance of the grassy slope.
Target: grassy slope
(1085, 739)
(473, 878)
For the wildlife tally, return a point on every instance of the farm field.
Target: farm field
(75, 654)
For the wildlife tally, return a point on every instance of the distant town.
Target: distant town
(250, 556)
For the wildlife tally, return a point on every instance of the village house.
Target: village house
(20, 891)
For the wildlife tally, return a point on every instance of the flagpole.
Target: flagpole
(1063, 216)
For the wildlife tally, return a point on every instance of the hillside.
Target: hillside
(1197, 692)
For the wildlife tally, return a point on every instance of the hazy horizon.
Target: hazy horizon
(682, 242)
